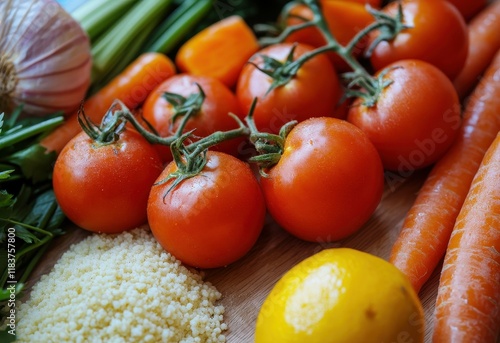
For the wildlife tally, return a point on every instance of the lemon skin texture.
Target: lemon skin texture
(341, 295)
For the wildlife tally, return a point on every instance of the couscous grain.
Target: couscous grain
(121, 288)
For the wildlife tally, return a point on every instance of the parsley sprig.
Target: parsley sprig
(28, 208)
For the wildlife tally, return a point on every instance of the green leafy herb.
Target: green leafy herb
(30, 217)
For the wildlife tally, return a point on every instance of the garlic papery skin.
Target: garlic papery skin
(45, 58)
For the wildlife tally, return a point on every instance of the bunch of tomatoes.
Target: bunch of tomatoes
(364, 96)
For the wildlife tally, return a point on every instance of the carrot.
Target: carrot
(468, 301)
(131, 87)
(484, 41)
(470, 8)
(427, 227)
(220, 50)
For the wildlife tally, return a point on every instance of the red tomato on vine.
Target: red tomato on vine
(105, 187)
(209, 220)
(436, 33)
(313, 91)
(415, 119)
(327, 183)
(211, 115)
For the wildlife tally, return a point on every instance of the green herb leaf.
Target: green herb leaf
(6, 199)
(35, 163)
(27, 201)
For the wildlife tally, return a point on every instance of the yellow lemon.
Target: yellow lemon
(341, 295)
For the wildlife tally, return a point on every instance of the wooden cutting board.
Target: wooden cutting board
(246, 283)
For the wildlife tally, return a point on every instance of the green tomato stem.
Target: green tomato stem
(269, 146)
(154, 137)
(217, 137)
(360, 82)
(285, 33)
(332, 44)
(191, 159)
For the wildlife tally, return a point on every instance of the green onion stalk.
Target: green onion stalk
(121, 30)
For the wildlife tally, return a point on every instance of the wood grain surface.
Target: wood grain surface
(246, 283)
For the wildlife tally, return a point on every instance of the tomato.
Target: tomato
(327, 183)
(212, 219)
(469, 8)
(415, 119)
(213, 115)
(105, 188)
(313, 92)
(345, 19)
(438, 35)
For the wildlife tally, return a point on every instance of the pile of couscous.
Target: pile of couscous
(121, 288)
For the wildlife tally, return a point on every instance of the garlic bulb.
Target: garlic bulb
(45, 57)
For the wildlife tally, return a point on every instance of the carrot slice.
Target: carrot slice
(484, 41)
(220, 50)
(427, 227)
(132, 87)
(468, 301)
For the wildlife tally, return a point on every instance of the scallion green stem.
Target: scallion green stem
(109, 49)
(30, 131)
(177, 29)
(86, 9)
(177, 13)
(96, 17)
(126, 58)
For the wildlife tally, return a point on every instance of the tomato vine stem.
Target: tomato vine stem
(150, 135)
(185, 107)
(190, 159)
(360, 83)
(109, 129)
(269, 146)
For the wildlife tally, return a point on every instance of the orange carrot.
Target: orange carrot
(468, 301)
(469, 8)
(132, 87)
(484, 41)
(220, 50)
(427, 227)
